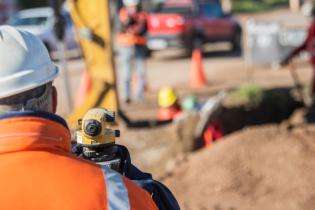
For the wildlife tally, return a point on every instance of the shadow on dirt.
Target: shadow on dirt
(277, 105)
(223, 54)
(206, 55)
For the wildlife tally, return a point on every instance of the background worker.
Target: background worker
(133, 27)
(38, 170)
(308, 45)
(169, 106)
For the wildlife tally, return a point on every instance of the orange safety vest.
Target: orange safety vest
(127, 39)
(39, 172)
(168, 113)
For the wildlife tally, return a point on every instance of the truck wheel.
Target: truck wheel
(197, 43)
(237, 41)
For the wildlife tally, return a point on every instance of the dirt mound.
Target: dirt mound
(259, 168)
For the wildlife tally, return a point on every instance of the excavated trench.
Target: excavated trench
(160, 149)
(277, 105)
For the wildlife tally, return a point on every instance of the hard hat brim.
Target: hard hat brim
(54, 71)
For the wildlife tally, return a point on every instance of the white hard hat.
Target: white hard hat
(131, 2)
(24, 62)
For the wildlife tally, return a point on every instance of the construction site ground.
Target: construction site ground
(269, 166)
(266, 167)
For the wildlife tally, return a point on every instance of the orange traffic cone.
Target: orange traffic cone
(84, 89)
(197, 76)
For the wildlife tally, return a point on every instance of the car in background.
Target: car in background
(40, 22)
(191, 23)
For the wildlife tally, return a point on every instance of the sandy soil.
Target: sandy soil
(258, 168)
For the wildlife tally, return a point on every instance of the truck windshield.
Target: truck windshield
(211, 9)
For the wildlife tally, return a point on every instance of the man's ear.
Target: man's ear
(54, 99)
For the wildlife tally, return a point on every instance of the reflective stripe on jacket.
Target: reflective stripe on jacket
(132, 34)
(39, 172)
(162, 196)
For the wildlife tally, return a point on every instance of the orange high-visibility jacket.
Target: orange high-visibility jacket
(38, 171)
(131, 34)
(169, 113)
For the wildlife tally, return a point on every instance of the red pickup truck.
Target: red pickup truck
(190, 23)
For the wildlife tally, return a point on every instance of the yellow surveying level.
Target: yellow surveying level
(96, 140)
(94, 128)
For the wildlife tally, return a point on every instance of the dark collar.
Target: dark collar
(39, 114)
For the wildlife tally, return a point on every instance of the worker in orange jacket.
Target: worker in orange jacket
(169, 106)
(131, 39)
(38, 170)
(308, 45)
